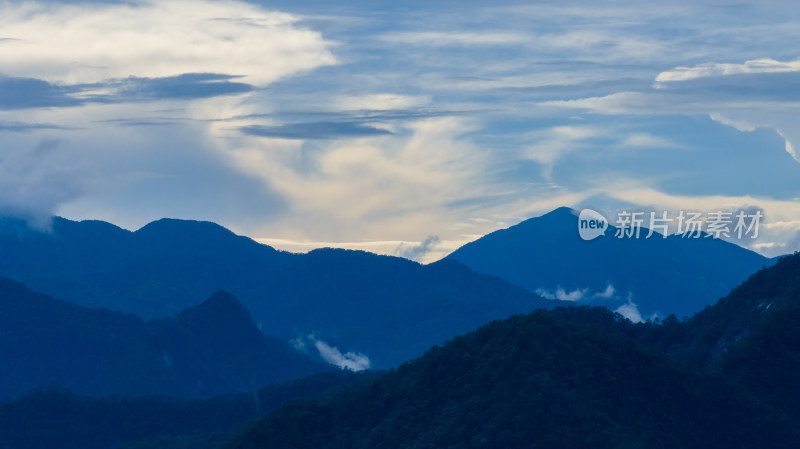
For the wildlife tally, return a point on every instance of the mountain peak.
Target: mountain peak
(221, 308)
(170, 226)
(559, 212)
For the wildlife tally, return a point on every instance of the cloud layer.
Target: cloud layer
(84, 43)
(378, 124)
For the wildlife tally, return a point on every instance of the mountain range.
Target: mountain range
(355, 308)
(563, 377)
(581, 377)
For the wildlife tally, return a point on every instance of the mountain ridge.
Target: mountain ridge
(353, 301)
(576, 377)
(210, 349)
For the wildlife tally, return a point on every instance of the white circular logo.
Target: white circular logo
(591, 224)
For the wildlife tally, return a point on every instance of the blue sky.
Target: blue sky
(405, 128)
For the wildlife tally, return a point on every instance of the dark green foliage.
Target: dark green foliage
(706, 338)
(562, 379)
(767, 360)
(51, 418)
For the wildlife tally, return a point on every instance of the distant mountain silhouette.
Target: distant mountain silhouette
(388, 308)
(661, 276)
(210, 349)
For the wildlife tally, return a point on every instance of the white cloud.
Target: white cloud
(387, 185)
(381, 102)
(576, 295)
(552, 144)
(353, 361)
(710, 69)
(789, 146)
(738, 124)
(647, 140)
(90, 42)
(563, 295)
(630, 311)
(607, 293)
(616, 103)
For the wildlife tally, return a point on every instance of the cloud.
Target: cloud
(418, 252)
(647, 140)
(577, 295)
(554, 143)
(22, 93)
(34, 181)
(353, 361)
(446, 38)
(27, 127)
(386, 184)
(789, 146)
(739, 125)
(185, 86)
(607, 293)
(562, 295)
(380, 102)
(85, 43)
(386, 247)
(27, 93)
(315, 130)
(715, 69)
(616, 103)
(630, 311)
(327, 128)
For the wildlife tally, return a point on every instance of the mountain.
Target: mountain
(580, 377)
(752, 335)
(154, 272)
(82, 422)
(572, 378)
(209, 349)
(658, 276)
(350, 306)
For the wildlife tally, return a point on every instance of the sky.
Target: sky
(405, 128)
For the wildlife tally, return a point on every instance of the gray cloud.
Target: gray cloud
(187, 86)
(315, 130)
(27, 93)
(23, 93)
(33, 183)
(417, 252)
(27, 127)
